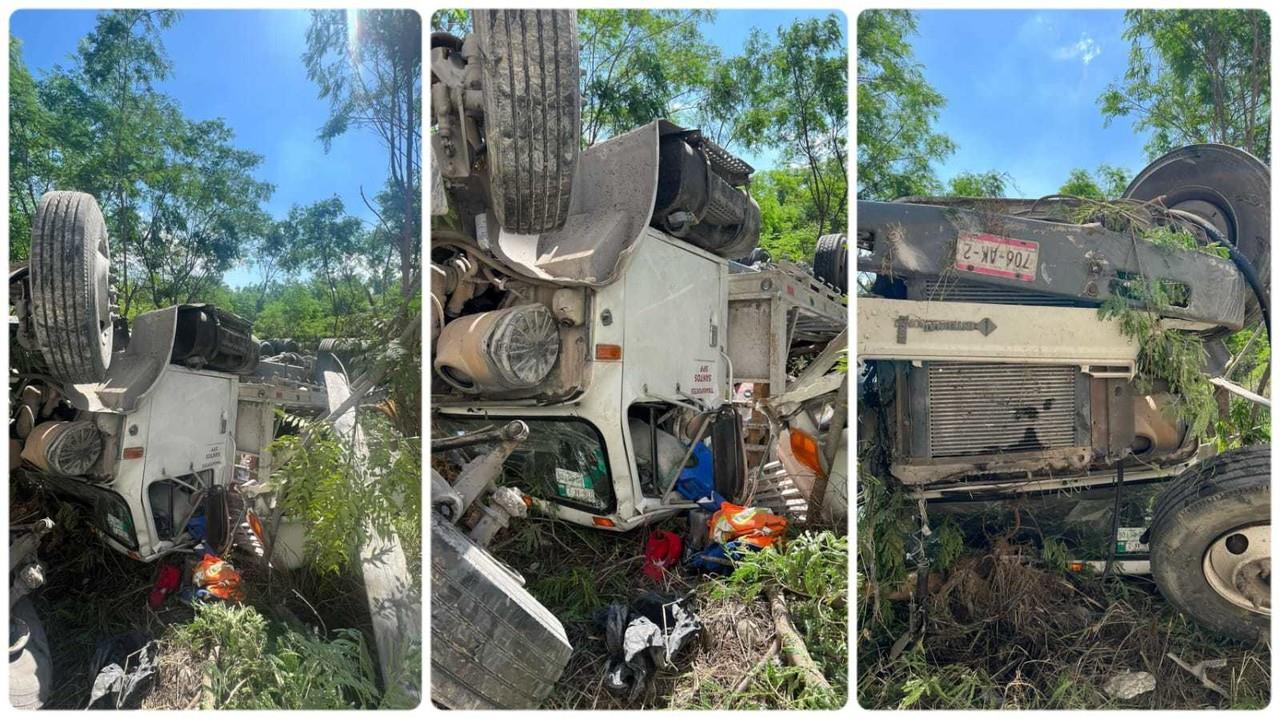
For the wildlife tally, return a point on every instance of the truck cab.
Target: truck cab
(638, 336)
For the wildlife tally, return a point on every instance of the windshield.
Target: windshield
(563, 459)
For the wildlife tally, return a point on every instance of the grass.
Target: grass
(575, 571)
(257, 664)
(1005, 631)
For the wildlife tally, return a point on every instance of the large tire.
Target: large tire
(831, 261)
(1226, 186)
(70, 300)
(30, 668)
(493, 646)
(1226, 493)
(533, 126)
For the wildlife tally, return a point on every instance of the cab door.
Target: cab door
(675, 301)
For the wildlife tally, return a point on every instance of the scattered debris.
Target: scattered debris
(218, 577)
(167, 581)
(661, 552)
(121, 665)
(1129, 685)
(643, 638)
(1199, 671)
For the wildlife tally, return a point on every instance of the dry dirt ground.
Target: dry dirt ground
(1005, 632)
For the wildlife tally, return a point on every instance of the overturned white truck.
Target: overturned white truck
(987, 371)
(595, 319)
(141, 426)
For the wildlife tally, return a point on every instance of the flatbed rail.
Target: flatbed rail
(774, 312)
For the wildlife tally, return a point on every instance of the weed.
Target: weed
(262, 665)
(326, 488)
(950, 542)
(1165, 355)
(1005, 633)
(1055, 554)
(813, 569)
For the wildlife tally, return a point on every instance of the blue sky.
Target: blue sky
(1022, 90)
(244, 66)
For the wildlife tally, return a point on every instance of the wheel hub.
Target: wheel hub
(1237, 566)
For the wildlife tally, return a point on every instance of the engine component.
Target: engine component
(69, 449)
(697, 204)
(25, 422)
(976, 409)
(1156, 429)
(505, 504)
(208, 337)
(512, 348)
(569, 306)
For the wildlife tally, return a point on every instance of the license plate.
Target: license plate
(997, 256)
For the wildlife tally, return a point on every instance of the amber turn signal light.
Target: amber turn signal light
(608, 352)
(805, 449)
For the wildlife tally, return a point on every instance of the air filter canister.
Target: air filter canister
(512, 348)
(69, 449)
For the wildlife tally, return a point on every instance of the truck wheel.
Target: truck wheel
(30, 668)
(70, 301)
(493, 646)
(1211, 546)
(529, 71)
(831, 261)
(1226, 186)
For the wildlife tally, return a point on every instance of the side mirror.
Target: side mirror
(728, 453)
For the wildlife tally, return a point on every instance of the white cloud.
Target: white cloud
(1086, 48)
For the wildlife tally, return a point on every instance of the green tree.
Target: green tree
(118, 63)
(30, 151)
(323, 240)
(456, 22)
(978, 184)
(204, 207)
(640, 65)
(1196, 76)
(1106, 183)
(801, 108)
(1081, 184)
(368, 65)
(897, 109)
(788, 226)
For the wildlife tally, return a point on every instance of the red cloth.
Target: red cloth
(166, 582)
(660, 552)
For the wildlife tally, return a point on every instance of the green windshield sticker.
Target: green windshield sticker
(574, 485)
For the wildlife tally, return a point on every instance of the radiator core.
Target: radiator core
(994, 408)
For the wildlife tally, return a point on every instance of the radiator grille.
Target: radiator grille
(953, 290)
(994, 408)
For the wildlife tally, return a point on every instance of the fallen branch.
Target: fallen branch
(745, 681)
(790, 643)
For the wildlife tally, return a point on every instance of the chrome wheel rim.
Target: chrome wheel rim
(1237, 566)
